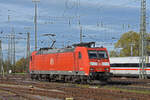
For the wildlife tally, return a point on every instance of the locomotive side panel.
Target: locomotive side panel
(43, 62)
(82, 60)
(32, 61)
(52, 61)
(76, 62)
(65, 61)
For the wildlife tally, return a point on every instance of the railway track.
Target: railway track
(118, 89)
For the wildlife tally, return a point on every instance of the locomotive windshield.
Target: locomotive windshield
(93, 54)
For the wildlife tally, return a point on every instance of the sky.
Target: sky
(102, 21)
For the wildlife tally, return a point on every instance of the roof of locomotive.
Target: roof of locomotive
(84, 44)
(60, 50)
(67, 49)
(54, 50)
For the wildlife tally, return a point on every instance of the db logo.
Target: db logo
(51, 61)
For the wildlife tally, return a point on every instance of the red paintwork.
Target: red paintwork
(67, 61)
(100, 68)
(127, 69)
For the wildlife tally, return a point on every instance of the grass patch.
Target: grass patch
(7, 92)
(82, 86)
(19, 73)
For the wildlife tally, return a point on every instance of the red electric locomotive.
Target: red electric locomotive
(83, 63)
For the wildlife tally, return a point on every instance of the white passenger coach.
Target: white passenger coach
(127, 66)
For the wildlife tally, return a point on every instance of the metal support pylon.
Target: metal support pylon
(1, 60)
(28, 51)
(143, 52)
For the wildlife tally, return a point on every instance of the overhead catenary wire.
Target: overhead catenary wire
(56, 20)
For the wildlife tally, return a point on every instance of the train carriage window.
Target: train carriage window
(124, 65)
(79, 55)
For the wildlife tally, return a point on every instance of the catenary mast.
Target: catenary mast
(142, 62)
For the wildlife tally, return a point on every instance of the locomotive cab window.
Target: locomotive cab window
(79, 55)
(93, 54)
(102, 54)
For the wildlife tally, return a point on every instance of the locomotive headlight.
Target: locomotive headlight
(105, 64)
(91, 69)
(106, 69)
(93, 63)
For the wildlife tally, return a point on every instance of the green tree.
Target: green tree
(20, 65)
(7, 66)
(125, 42)
(113, 53)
